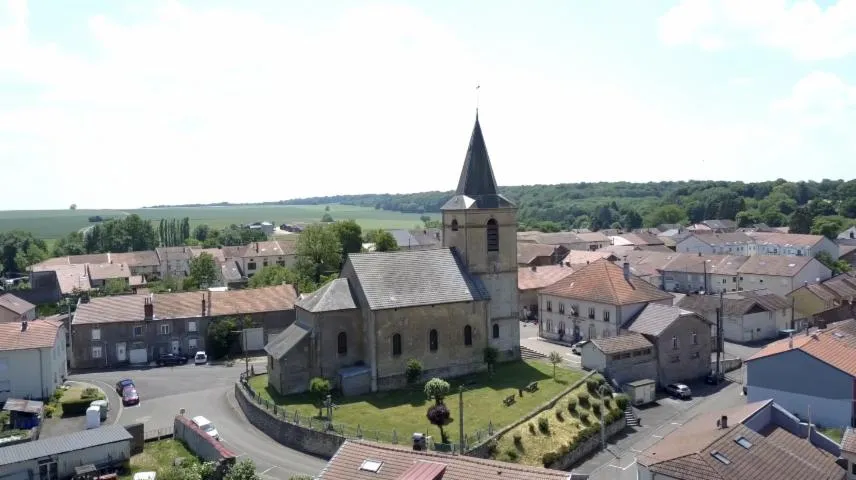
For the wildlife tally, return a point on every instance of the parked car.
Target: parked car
(711, 378)
(121, 385)
(577, 348)
(206, 426)
(679, 390)
(200, 358)
(171, 359)
(130, 396)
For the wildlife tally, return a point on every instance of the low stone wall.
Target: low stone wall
(588, 446)
(200, 443)
(482, 450)
(316, 442)
(728, 365)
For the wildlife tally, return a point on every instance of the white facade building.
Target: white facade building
(33, 360)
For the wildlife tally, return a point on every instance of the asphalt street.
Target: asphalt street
(206, 390)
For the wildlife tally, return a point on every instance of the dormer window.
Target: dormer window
(454, 225)
(492, 235)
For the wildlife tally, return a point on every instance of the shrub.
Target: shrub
(492, 448)
(563, 450)
(584, 417)
(518, 439)
(583, 397)
(622, 401)
(607, 403)
(543, 425)
(596, 408)
(559, 416)
(57, 394)
(50, 410)
(511, 454)
(532, 428)
(572, 403)
(600, 381)
(90, 393)
(591, 385)
(549, 458)
(436, 389)
(413, 371)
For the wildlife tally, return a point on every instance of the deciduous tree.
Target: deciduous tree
(385, 242)
(204, 270)
(318, 251)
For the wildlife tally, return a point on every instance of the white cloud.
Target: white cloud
(820, 99)
(802, 27)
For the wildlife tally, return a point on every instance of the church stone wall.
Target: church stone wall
(503, 309)
(471, 239)
(291, 374)
(452, 358)
(328, 325)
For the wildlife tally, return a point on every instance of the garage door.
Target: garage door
(22, 475)
(139, 355)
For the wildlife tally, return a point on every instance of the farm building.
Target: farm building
(56, 458)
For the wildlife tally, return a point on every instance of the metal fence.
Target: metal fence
(158, 434)
(358, 432)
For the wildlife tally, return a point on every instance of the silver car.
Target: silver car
(679, 390)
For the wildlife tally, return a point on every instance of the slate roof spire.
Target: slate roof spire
(477, 184)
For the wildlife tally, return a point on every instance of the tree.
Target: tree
(413, 371)
(318, 250)
(555, 358)
(667, 214)
(829, 226)
(319, 387)
(837, 266)
(201, 232)
(73, 206)
(326, 218)
(350, 236)
(72, 244)
(491, 355)
(385, 242)
(115, 286)
(436, 389)
(19, 250)
(274, 275)
(439, 415)
(203, 270)
(220, 337)
(801, 220)
(243, 470)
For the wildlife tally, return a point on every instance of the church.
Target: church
(441, 306)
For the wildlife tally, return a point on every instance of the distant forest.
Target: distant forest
(806, 207)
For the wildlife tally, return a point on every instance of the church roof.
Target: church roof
(477, 185)
(333, 296)
(286, 340)
(413, 278)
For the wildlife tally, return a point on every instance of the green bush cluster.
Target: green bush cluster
(532, 428)
(543, 425)
(572, 402)
(549, 458)
(559, 415)
(518, 439)
(584, 397)
(622, 401)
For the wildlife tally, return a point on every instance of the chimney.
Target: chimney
(723, 422)
(209, 302)
(24, 326)
(203, 305)
(148, 309)
(626, 271)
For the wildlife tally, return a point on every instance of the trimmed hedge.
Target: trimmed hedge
(78, 406)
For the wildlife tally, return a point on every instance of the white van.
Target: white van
(206, 426)
(200, 358)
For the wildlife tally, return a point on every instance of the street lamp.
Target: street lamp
(603, 392)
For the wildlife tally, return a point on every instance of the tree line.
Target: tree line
(806, 207)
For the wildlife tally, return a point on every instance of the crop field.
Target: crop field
(53, 224)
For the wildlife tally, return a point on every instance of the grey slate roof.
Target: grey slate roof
(285, 341)
(738, 303)
(622, 343)
(477, 185)
(64, 443)
(656, 318)
(414, 277)
(333, 296)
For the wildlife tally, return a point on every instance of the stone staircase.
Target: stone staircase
(632, 420)
(529, 354)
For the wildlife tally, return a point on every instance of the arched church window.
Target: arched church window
(343, 343)
(433, 341)
(396, 344)
(468, 335)
(495, 330)
(492, 236)
(454, 225)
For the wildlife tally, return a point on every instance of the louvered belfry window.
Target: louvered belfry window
(492, 236)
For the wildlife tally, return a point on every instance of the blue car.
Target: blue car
(121, 385)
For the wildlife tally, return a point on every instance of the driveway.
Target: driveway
(529, 338)
(206, 390)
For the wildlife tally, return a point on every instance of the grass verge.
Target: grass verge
(160, 457)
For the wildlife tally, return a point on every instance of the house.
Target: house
(780, 275)
(360, 460)
(531, 279)
(747, 316)
(848, 254)
(648, 265)
(577, 258)
(594, 302)
(589, 241)
(440, 306)
(621, 250)
(699, 228)
(592, 241)
(848, 451)
(258, 255)
(539, 254)
(174, 261)
(14, 309)
(849, 234)
(775, 243)
(637, 239)
(665, 227)
(720, 226)
(100, 273)
(143, 263)
(106, 448)
(733, 243)
(813, 299)
(681, 341)
(265, 227)
(759, 440)
(417, 239)
(136, 329)
(623, 359)
(812, 374)
(32, 359)
(690, 273)
(67, 278)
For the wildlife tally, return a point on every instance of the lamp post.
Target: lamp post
(602, 390)
(461, 419)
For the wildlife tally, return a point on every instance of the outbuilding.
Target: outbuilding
(622, 359)
(56, 458)
(642, 391)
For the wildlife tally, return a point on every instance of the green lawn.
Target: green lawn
(52, 224)
(835, 434)
(404, 410)
(159, 456)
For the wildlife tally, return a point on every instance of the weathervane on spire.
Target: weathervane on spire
(478, 88)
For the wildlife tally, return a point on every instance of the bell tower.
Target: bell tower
(482, 225)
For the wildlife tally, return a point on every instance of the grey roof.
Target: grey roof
(477, 185)
(622, 343)
(414, 277)
(737, 303)
(333, 296)
(63, 443)
(286, 340)
(655, 318)
(231, 271)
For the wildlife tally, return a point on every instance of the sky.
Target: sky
(129, 103)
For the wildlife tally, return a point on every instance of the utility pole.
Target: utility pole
(792, 312)
(461, 419)
(704, 265)
(720, 343)
(246, 357)
(602, 424)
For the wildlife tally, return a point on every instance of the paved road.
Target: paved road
(209, 391)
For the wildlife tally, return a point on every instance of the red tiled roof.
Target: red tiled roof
(527, 251)
(15, 305)
(39, 334)
(835, 346)
(529, 278)
(848, 441)
(604, 282)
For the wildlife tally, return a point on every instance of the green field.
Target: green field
(52, 224)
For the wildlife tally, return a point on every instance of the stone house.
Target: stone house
(100, 273)
(733, 243)
(812, 299)
(530, 280)
(174, 261)
(538, 254)
(623, 359)
(721, 225)
(747, 316)
(594, 302)
(15, 309)
(681, 341)
(424, 239)
(258, 255)
(136, 329)
(440, 306)
(143, 263)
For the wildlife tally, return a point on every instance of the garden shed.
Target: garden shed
(641, 392)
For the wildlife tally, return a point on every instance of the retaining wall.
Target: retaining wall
(588, 446)
(321, 443)
(200, 443)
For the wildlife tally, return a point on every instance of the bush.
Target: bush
(492, 448)
(549, 458)
(543, 425)
(596, 408)
(591, 385)
(90, 393)
(563, 450)
(413, 371)
(622, 401)
(436, 389)
(75, 407)
(57, 395)
(518, 439)
(511, 454)
(583, 397)
(532, 428)
(584, 417)
(50, 410)
(572, 403)
(600, 381)
(559, 416)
